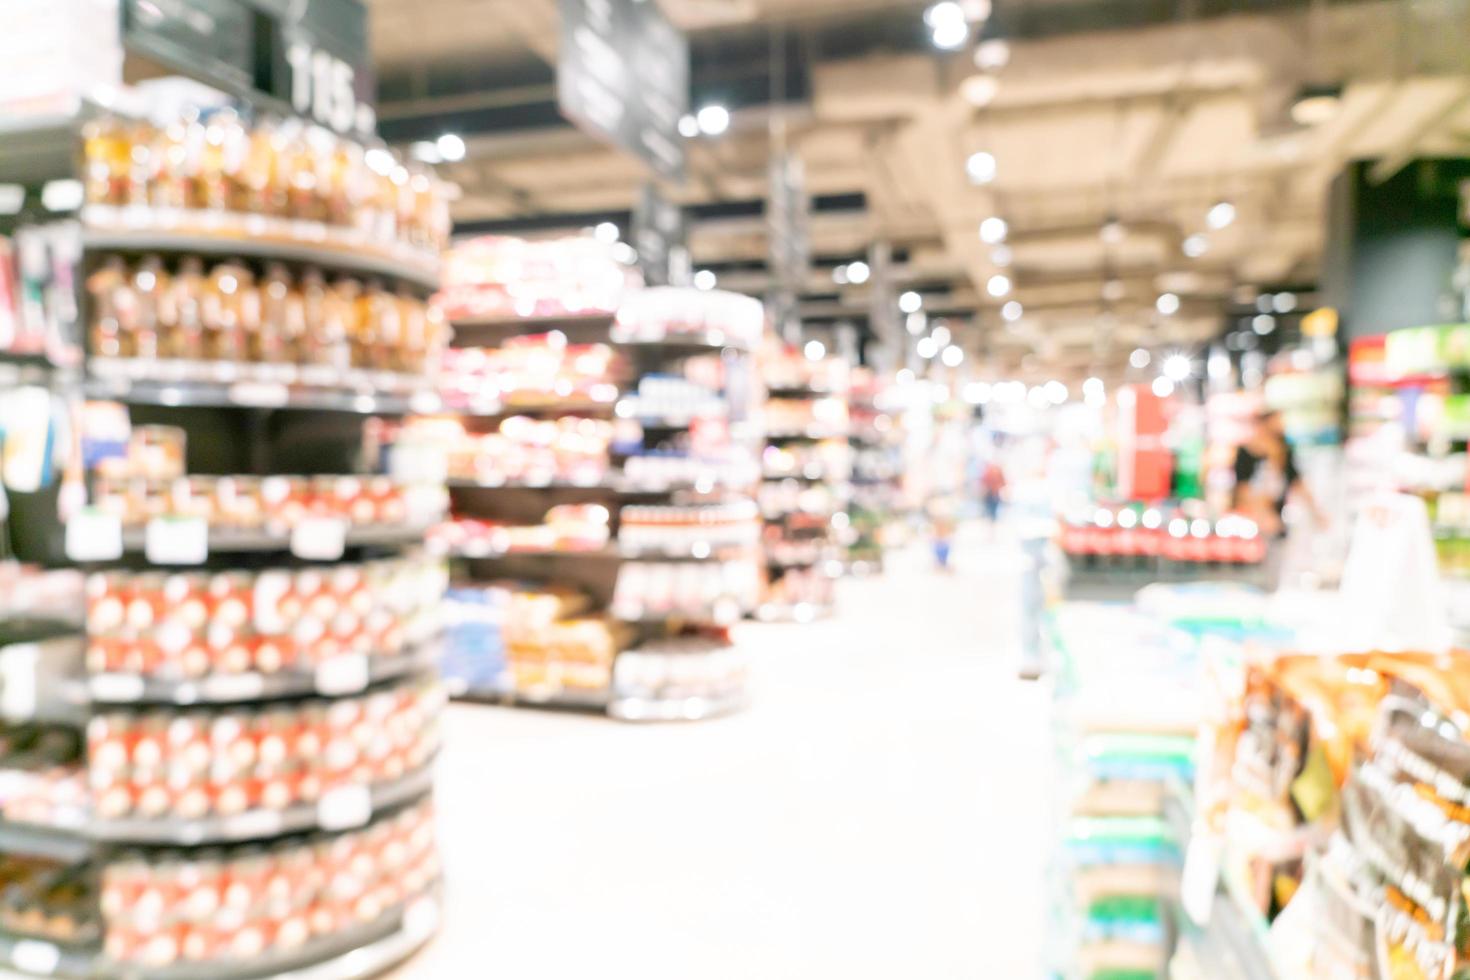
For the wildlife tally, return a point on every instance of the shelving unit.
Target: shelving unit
(650, 343)
(806, 487)
(263, 747)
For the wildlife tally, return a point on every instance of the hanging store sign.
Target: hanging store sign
(623, 74)
(310, 56)
(661, 237)
(788, 220)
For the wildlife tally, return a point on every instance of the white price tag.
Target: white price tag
(425, 504)
(232, 687)
(344, 808)
(92, 535)
(319, 538)
(116, 687)
(726, 611)
(345, 674)
(176, 540)
(425, 403)
(259, 394)
(18, 666)
(35, 956)
(253, 823)
(421, 917)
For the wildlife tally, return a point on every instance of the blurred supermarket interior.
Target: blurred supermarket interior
(720, 489)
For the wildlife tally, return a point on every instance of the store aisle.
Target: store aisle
(880, 811)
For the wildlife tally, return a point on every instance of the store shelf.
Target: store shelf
(66, 846)
(696, 552)
(564, 699)
(229, 541)
(347, 810)
(486, 553)
(605, 483)
(717, 614)
(345, 675)
(681, 709)
(677, 345)
(40, 957)
(800, 612)
(218, 384)
(150, 230)
(810, 435)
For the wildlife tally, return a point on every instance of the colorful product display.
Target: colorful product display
(223, 762)
(666, 399)
(224, 908)
(508, 278)
(530, 371)
(719, 592)
(150, 311)
(688, 529)
(667, 315)
(734, 470)
(194, 625)
(1135, 532)
(567, 527)
(219, 172)
(681, 668)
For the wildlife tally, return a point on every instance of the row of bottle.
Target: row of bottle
(146, 311)
(219, 162)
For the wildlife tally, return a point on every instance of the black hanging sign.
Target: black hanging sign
(661, 238)
(623, 74)
(309, 57)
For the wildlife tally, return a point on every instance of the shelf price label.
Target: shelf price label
(93, 535)
(18, 683)
(176, 540)
(345, 674)
(344, 808)
(319, 538)
(35, 956)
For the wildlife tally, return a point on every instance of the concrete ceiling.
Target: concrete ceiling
(1148, 126)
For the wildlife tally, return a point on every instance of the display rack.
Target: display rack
(209, 713)
(602, 520)
(806, 486)
(877, 470)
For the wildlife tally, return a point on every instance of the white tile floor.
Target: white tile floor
(880, 812)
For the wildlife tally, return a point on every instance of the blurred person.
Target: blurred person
(943, 522)
(1266, 475)
(992, 490)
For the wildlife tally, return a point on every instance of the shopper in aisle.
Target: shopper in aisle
(1266, 476)
(943, 522)
(992, 489)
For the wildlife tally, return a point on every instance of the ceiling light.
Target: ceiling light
(942, 12)
(839, 275)
(380, 161)
(910, 302)
(1221, 215)
(980, 167)
(1093, 389)
(426, 151)
(1283, 302)
(1263, 323)
(992, 55)
(952, 356)
(1177, 367)
(993, 230)
(979, 90)
(916, 323)
(1037, 397)
(941, 335)
(998, 286)
(713, 120)
(951, 35)
(1139, 358)
(815, 350)
(688, 126)
(1195, 245)
(1316, 104)
(1163, 387)
(705, 279)
(1056, 392)
(926, 347)
(1167, 304)
(624, 253)
(858, 272)
(607, 233)
(1001, 256)
(450, 147)
(1112, 231)
(1012, 311)
(1113, 290)
(976, 393)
